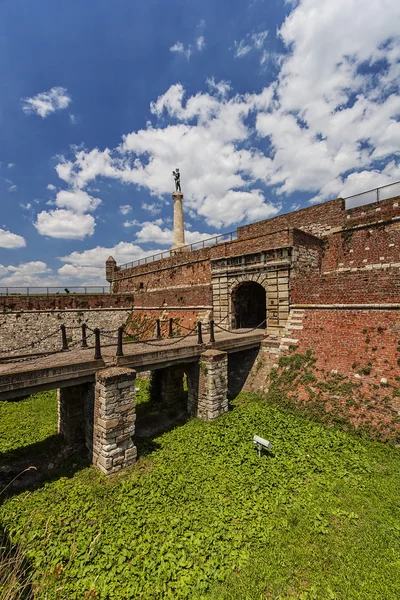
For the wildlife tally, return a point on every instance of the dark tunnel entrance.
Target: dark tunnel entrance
(249, 305)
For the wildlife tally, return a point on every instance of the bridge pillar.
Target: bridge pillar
(167, 384)
(72, 405)
(208, 385)
(114, 419)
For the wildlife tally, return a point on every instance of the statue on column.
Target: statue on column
(177, 177)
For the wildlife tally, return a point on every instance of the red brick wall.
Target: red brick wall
(181, 269)
(318, 219)
(344, 371)
(360, 247)
(321, 218)
(238, 247)
(349, 340)
(371, 287)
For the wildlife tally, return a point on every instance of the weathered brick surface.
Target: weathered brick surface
(350, 340)
(367, 287)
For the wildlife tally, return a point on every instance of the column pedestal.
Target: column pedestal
(179, 228)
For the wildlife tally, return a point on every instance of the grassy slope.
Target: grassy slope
(202, 516)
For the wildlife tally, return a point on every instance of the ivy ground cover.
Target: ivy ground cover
(202, 516)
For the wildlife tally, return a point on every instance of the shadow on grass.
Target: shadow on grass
(153, 418)
(29, 467)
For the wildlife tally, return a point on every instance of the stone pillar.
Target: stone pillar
(179, 229)
(114, 419)
(71, 412)
(208, 385)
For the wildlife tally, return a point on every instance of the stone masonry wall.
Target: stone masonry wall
(19, 303)
(25, 328)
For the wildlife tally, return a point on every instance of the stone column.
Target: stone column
(114, 419)
(208, 385)
(179, 228)
(71, 412)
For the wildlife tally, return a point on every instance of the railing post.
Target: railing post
(199, 333)
(97, 348)
(27, 291)
(170, 331)
(212, 333)
(64, 338)
(158, 329)
(377, 194)
(120, 351)
(84, 340)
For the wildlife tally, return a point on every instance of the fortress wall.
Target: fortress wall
(19, 303)
(26, 327)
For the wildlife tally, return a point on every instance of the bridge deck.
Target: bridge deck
(78, 366)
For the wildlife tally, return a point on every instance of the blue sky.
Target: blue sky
(266, 106)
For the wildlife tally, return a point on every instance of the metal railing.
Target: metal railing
(51, 291)
(374, 195)
(212, 241)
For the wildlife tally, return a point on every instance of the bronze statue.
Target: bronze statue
(177, 177)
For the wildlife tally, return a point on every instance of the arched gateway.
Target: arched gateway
(249, 305)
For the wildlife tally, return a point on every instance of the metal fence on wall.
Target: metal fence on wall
(212, 241)
(374, 195)
(51, 291)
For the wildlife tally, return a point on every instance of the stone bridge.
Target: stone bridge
(96, 397)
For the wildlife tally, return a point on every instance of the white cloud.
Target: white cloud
(124, 209)
(26, 274)
(11, 240)
(241, 49)
(222, 88)
(46, 103)
(152, 232)
(323, 118)
(76, 200)
(152, 208)
(123, 252)
(51, 187)
(200, 43)
(179, 48)
(26, 206)
(12, 188)
(10, 165)
(253, 41)
(64, 224)
(76, 272)
(73, 119)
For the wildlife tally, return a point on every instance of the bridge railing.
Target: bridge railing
(115, 336)
(53, 290)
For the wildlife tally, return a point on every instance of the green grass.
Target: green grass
(202, 516)
(27, 422)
